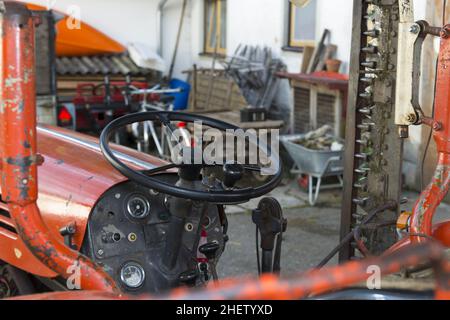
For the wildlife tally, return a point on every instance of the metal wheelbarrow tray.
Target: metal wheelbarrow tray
(315, 164)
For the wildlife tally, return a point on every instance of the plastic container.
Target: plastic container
(182, 98)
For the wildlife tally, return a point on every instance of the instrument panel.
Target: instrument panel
(127, 235)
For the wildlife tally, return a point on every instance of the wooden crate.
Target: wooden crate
(214, 91)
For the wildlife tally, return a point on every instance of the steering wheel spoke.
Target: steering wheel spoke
(160, 169)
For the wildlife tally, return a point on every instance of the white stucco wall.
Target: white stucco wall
(254, 22)
(124, 21)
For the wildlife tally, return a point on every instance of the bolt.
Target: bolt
(132, 237)
(189, 227)
(411, 118)
(415, 29)
(117, 195)
(39, 160)
(437, 126)
(100, 252)
(445, 32)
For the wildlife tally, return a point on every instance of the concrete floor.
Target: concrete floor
(311, 234)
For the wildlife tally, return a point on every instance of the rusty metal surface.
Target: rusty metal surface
(373, 149)
(18, 144)
(313, 283)
(68, 188)
(318, 282)
(425, 207)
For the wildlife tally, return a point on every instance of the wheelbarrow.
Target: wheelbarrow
(314, 164)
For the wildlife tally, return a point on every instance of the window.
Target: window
(216, 26)
(302, 25)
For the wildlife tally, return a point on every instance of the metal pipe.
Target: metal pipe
(19, 159)
(388, 206)
(319, 282)
(425, 208)
(177, 42)
(159, 25)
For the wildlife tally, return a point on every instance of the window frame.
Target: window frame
(207, 48)
(291, 42)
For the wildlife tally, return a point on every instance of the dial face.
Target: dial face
(132, 275)
(138, 207)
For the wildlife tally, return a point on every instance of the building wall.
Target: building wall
(265, 23)
(123, 21)
(253, 22)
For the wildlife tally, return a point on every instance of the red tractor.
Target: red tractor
(79, 214)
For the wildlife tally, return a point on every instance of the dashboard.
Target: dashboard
(127, 235)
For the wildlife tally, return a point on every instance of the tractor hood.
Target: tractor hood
(72, 179)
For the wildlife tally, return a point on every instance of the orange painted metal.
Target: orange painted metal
(18, 144)
(310, 284)
(82, 39)
(72, 178)
(317, 282)
(441, 232)
(421, 225)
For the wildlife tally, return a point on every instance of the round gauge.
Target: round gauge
(132, 275)
(138, 207)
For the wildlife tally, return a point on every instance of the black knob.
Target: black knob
(189, 278)
(209, 250)
(233, 172)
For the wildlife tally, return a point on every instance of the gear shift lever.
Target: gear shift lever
(233, 172)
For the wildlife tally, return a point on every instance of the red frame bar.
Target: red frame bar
(421, 226)
(19, 160)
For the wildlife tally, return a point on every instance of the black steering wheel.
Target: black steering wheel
(213, 195)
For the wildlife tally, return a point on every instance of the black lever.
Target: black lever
(233, 172)
(189, 278)
(210, 251)
(270, 223)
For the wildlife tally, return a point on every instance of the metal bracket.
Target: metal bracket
(411, 38)
(408, 34)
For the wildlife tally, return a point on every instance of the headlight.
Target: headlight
(132, 275)
(138, 207)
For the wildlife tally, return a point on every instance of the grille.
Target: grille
(6, 222)
(302, 115)
(325, 110)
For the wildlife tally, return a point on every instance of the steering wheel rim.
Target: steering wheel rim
(212, 196)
